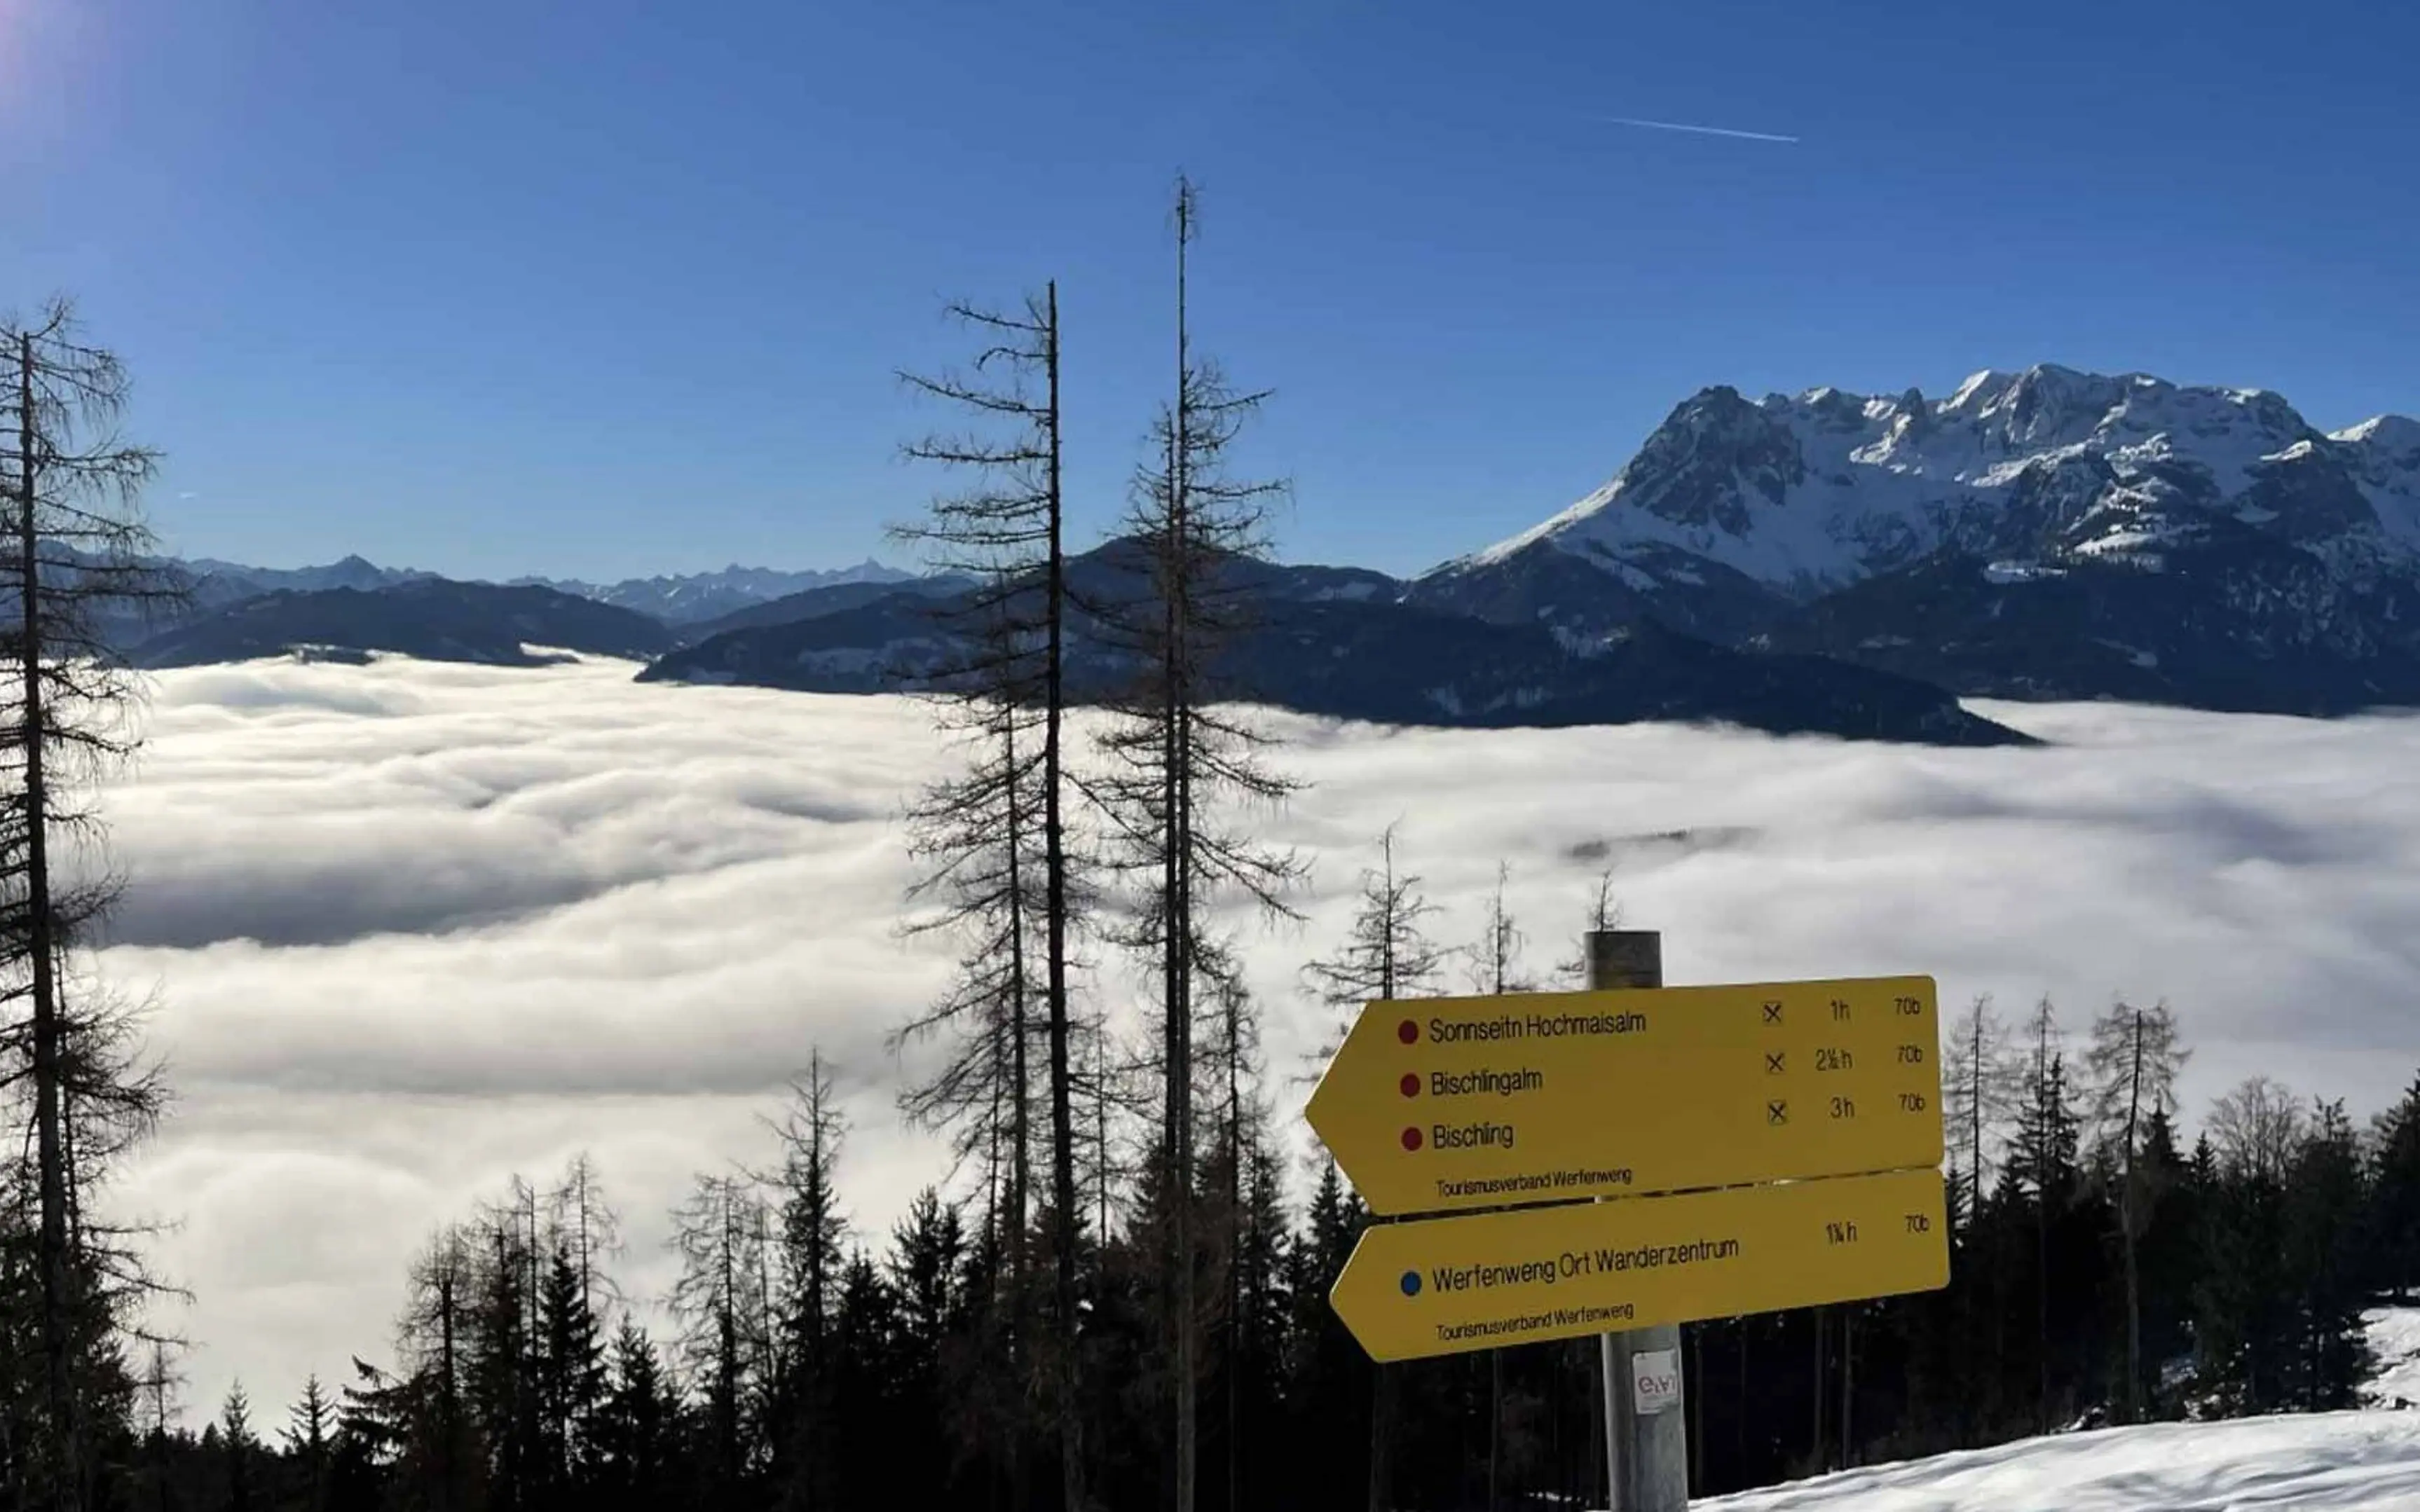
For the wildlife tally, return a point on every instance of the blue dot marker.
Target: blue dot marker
(1411, 1283)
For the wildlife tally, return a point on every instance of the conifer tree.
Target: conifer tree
(1332, 1378)
(310, 1429)
(2393, 1222)
(2324, 1194)
(638, 1425)
(570, 1373)
(924, 1272)
(503, 1353)
(2167, 1254)
(2045, 1165)
(238, 1447)
(810, 1256)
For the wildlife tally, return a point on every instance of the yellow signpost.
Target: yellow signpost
(1438, 1105)
(1449, 1285)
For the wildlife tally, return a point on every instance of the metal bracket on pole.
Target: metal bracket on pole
(1646, 1431)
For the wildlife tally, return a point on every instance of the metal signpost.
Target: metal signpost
(1759, 1147)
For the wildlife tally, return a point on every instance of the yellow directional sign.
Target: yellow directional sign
(1434, 1105)
(1443, 1286)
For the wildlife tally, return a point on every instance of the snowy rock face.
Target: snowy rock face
(1808, 494)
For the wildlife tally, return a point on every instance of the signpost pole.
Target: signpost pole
(1647, 1451)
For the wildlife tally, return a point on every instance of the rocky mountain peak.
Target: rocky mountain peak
(1809, 493)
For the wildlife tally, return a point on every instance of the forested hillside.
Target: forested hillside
(809, 1362)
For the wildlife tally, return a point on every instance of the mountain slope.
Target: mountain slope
(434, 618)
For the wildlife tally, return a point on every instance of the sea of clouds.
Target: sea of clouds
(414, 927)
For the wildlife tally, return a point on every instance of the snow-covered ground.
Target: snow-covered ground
(2395, 1339)
(2360, 1461)
(2363, 1461)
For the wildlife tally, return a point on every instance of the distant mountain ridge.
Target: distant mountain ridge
(348, 572)
(1345, 644)
(433, 618)
(693, 598)
(1824, 562)
(354, 606)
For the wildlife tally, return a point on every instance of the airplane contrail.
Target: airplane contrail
(1701, 130)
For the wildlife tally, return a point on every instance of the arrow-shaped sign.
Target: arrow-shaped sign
(1435, 1104)
(1442, 1285)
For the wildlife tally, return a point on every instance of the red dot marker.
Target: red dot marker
(1411, 1139)
(1411, 1084)
(1408, 1032)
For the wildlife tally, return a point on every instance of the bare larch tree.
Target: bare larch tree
(72, 545)
(2131, 1071)
(995, 839)
(1387, 955)
(1175, 754)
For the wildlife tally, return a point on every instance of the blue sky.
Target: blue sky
(606, 289)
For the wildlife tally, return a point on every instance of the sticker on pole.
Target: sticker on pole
(1656, 1380)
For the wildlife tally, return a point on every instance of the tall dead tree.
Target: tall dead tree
(1387, 952)
(1604, 913)
(437, 1336)
(1495, 958)
(995, 839)
(73, 549)
(1980, 1082)
(589, 1230)
(1175, 757)
(1496, 968)
(1387, 955)
(2131, 1071)
(1237, 1043)
(725, 1324)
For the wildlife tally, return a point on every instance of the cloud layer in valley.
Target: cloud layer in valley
(415, 928)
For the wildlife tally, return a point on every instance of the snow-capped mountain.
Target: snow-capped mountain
(1882, 528)
(1810, 493)
(703, 596)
